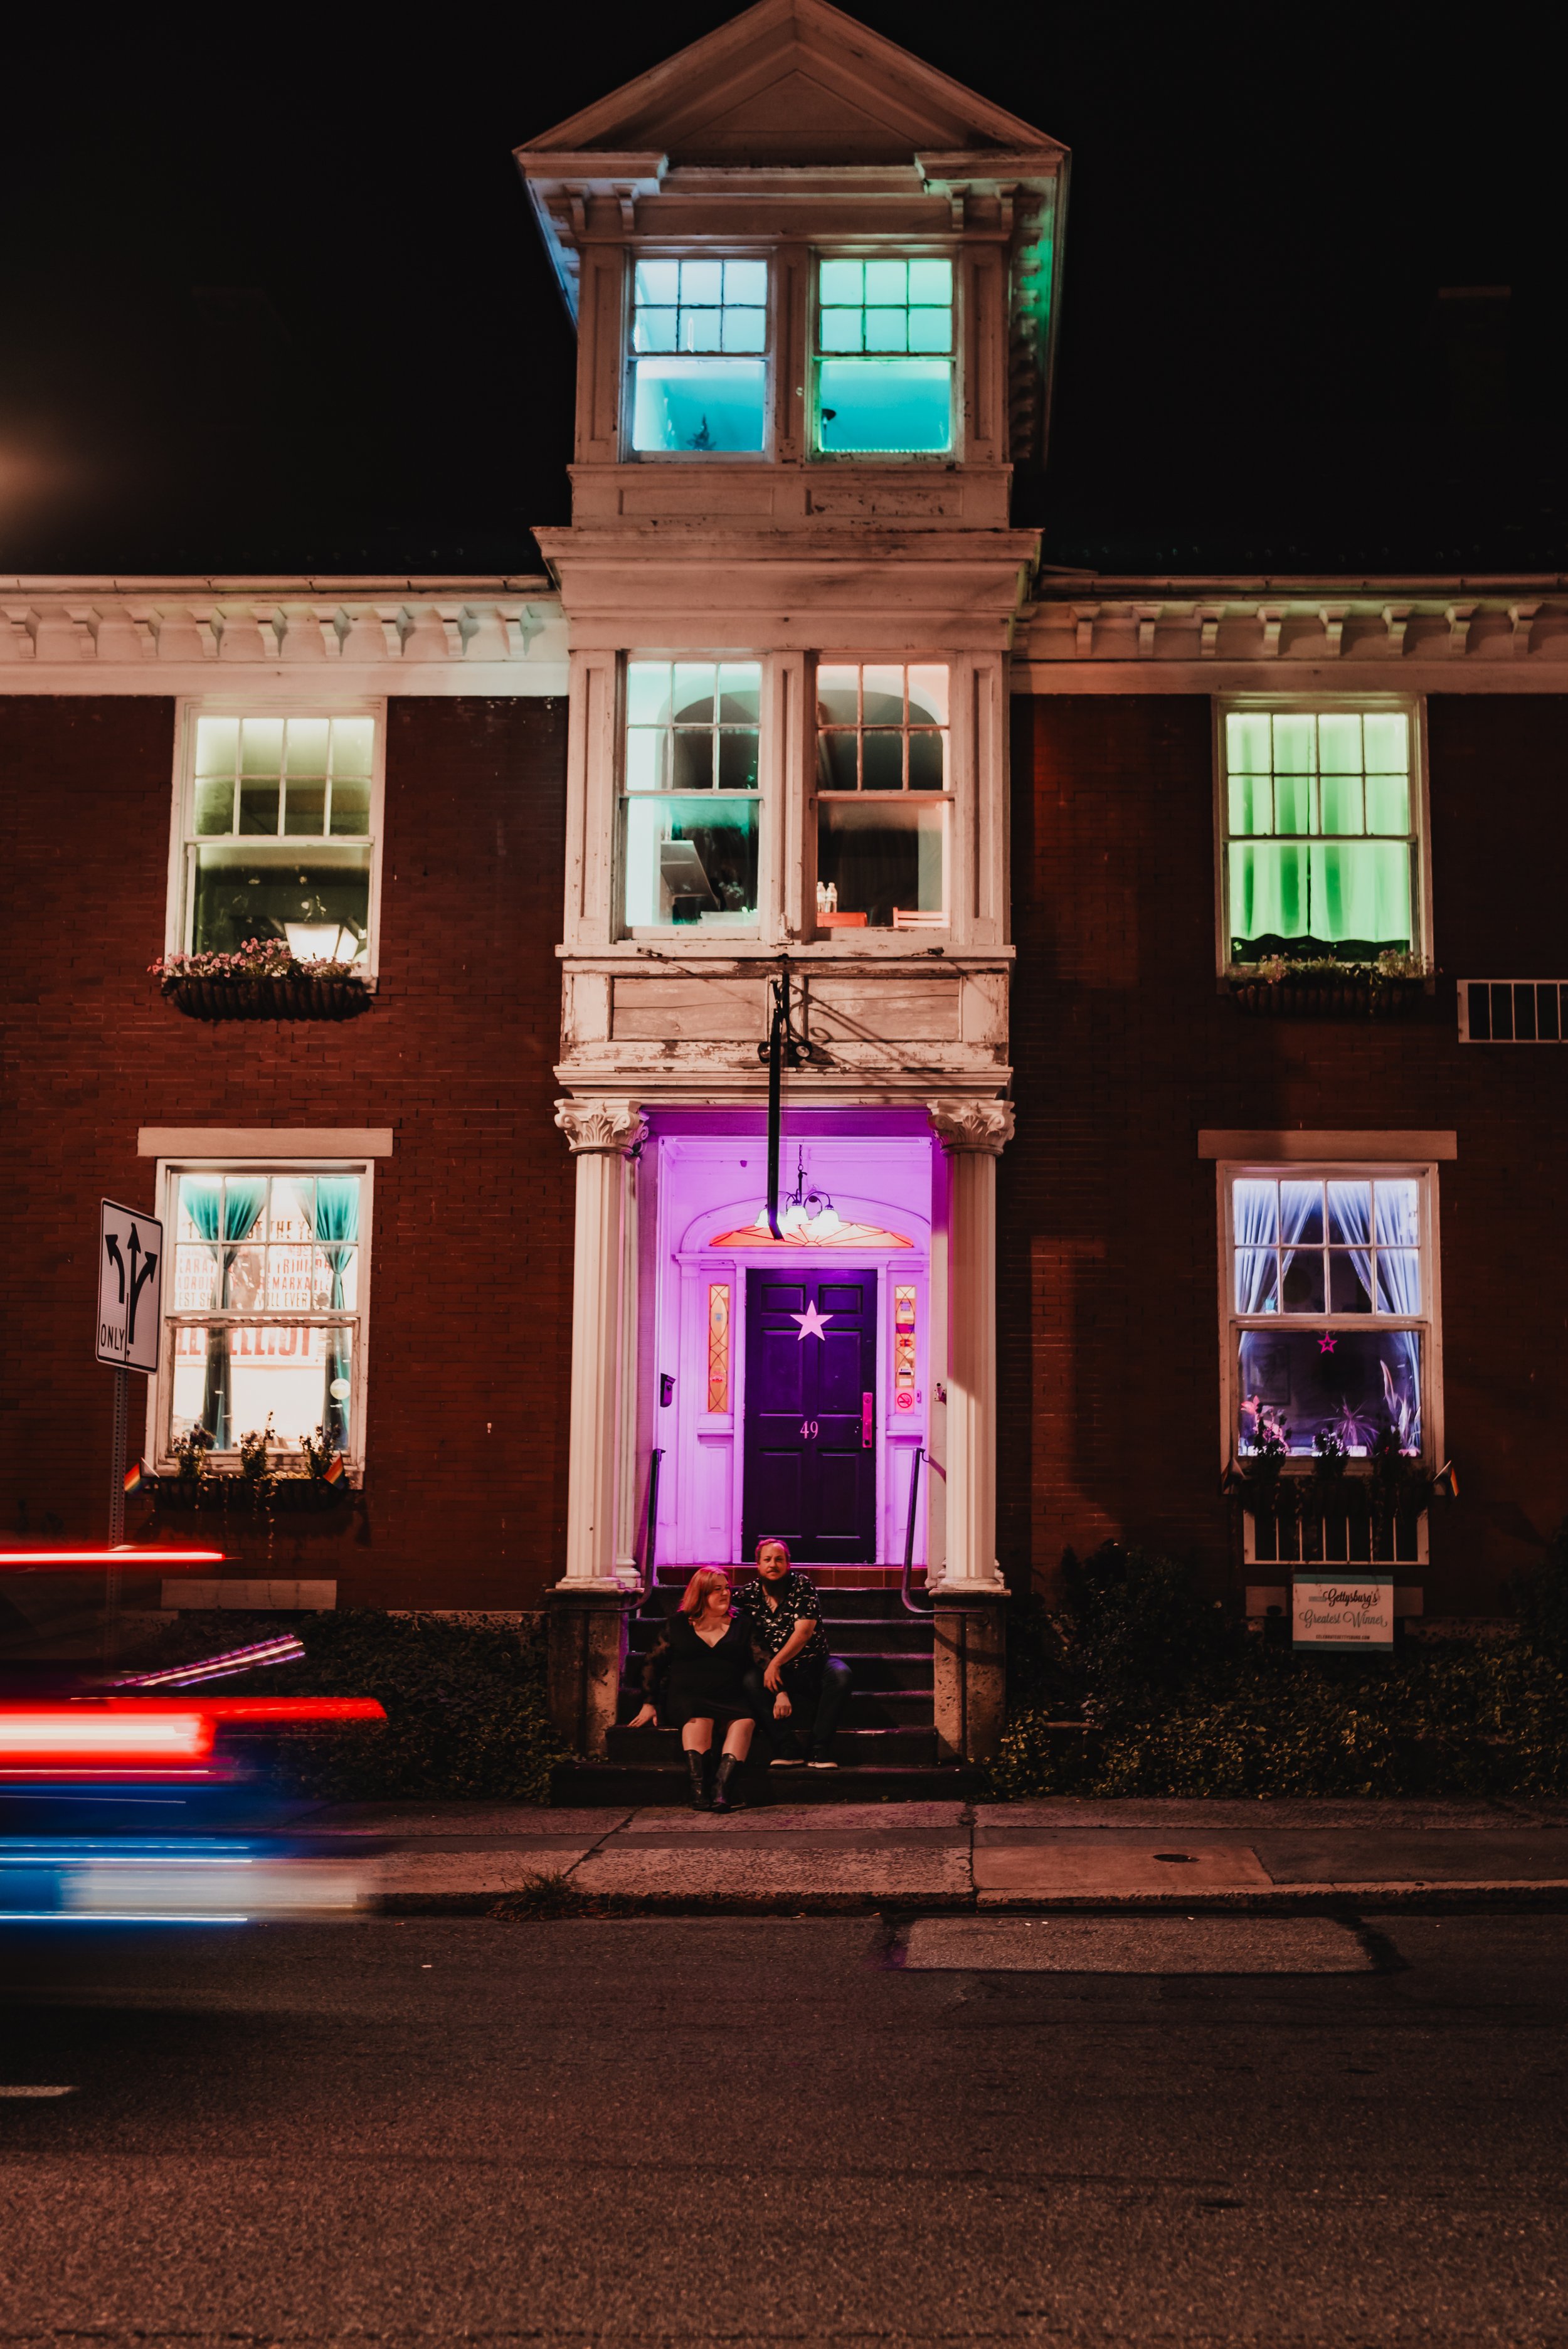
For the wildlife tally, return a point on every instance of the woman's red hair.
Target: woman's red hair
(771, 1541)
(705, 1579)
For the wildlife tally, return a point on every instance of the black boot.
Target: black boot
(701, 1800)
(726, 1770)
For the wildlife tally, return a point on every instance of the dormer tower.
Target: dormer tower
(814, 284)
(812, 279)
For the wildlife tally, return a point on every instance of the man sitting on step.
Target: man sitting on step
(807, 1685)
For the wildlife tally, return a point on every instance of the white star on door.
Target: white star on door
(812, 1324)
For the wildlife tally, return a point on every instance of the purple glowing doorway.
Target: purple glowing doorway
(810, 1463)
(703, 1179)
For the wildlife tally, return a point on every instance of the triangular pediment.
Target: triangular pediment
(791, 82)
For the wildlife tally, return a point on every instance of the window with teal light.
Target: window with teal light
(691, 802)
(884, 357)
(1323, 847)
(699, 367)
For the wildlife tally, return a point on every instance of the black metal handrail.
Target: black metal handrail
(651, 1531)
(915, 1606)
(926, 1606)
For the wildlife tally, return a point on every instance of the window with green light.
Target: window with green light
(884, 357)
(1322, 852)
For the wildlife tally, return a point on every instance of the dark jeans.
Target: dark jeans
(817, 1692)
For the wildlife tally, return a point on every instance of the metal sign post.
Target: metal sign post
(129, 1322)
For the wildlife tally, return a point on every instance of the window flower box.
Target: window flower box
(219, 1493)
(262, 980)
(1337, 1515)
(1351, 1537)
(1389, 988)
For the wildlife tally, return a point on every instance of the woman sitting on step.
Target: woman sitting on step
(700, 1664)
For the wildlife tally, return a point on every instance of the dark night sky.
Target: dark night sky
(271, 296)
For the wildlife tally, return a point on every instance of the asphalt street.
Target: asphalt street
(749, 2130)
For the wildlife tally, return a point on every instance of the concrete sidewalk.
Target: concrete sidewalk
(1057, 1853)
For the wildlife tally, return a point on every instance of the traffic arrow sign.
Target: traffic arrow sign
(131, 1287)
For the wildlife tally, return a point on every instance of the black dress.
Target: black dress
(694, 1681)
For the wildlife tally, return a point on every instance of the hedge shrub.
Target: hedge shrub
(1181, 1699)
(466, 1714)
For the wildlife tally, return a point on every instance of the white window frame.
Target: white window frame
(956, 796)
(1323, 705)
(739, 250)
(896, 249)
(1430, 1322)
(182, 838)
(161, 1387)
(683, 935)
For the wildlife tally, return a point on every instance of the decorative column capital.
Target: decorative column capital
(977, 1126)
(608, 1127)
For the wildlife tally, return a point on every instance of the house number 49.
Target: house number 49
(808, 1427)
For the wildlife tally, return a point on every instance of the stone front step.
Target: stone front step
(868, 1708)
(873, 1668)
(913, 1747)
(826, 1577)
(888, 1649)
(591, 1785)
(848, 1601)
(858, 1637)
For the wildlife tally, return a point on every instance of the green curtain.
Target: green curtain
(1361, 889)
(337, 1231)
(1321, 893)
(225, 1231)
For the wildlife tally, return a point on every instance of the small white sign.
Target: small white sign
(131, 1287)
(1349, 1610)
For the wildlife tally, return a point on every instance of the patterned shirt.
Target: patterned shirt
(771, 1626)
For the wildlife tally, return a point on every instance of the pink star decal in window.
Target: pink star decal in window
(812, 1324)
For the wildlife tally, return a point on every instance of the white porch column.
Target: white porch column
(972, 1134)
(600, 1135)
(628, 1522)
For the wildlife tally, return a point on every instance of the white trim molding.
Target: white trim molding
(264, 1142)
(273, 636)
(1381, 1147)
(1213, 635)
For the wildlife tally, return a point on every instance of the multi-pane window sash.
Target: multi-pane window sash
(1330, 1314)
(884, 356)
(698, 366)
(278, 834)
(1322, 839)
(691, 805)
(883, 794)
(264, 1310)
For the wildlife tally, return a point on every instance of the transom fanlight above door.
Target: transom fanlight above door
(842, 1236)
(808, 1218)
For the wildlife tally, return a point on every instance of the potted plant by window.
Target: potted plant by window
(258, 1487)
(1333, 1516)
(1324, 986)
(261, 980)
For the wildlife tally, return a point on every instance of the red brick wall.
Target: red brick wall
(470, 1286)
(1108, 1230)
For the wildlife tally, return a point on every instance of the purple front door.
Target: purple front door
(811, 1414)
